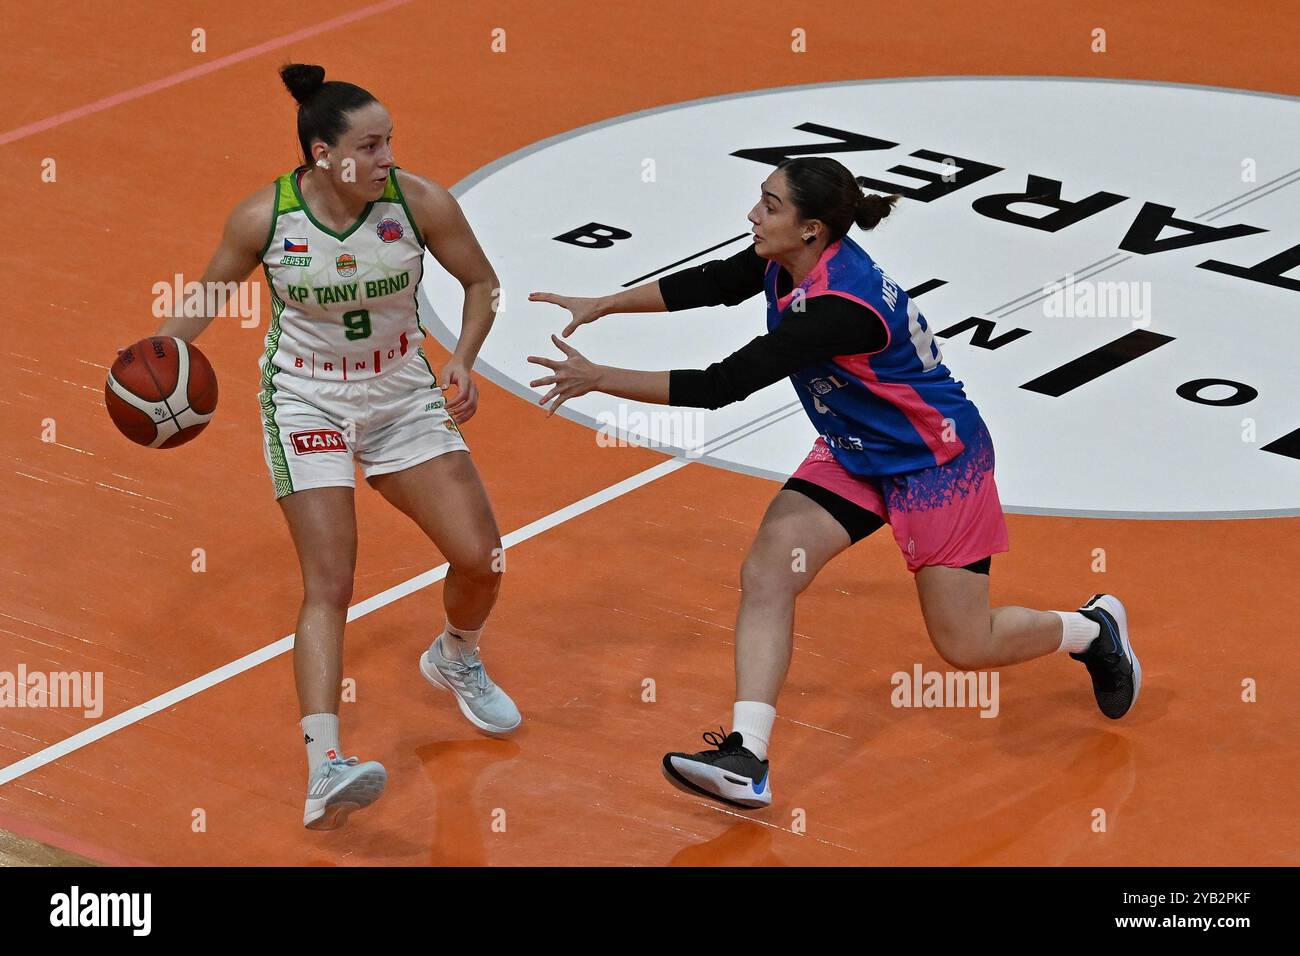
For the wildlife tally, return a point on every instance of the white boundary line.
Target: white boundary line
(177, 694)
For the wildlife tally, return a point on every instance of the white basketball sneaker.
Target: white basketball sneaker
(339, 786)
(484, 704)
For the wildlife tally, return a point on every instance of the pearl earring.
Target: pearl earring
(323, 163)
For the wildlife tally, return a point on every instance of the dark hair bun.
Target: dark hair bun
(302, 79)
(872, 208)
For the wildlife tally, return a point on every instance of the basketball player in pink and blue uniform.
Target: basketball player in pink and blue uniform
(899, 443)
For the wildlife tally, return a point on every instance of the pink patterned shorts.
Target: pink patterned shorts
(947, 515)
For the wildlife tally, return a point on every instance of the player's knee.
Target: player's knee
(764, 574)
(482, 568)
(332, 587)
(959, 649)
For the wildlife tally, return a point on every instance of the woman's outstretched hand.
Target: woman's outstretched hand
(574, 375)
(581, 311)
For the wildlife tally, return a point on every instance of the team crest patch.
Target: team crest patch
(346, 264)
(317, 440)
(389, 230)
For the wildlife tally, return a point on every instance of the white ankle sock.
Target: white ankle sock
(753, 720)
(1077, 632)
(458, 639)
(321, 734)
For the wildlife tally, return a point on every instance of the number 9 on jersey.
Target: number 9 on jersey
(357, 323)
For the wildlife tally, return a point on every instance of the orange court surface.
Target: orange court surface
(171, 574)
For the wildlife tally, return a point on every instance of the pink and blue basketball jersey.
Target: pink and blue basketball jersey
(888, 412)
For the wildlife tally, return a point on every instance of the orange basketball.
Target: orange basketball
(161, 392)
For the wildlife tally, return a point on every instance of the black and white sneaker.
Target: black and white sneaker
(730, 773)
(1114, 668)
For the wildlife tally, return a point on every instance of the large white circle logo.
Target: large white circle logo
(1111, 269)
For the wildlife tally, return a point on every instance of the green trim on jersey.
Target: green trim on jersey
(401, 197)
(286, 198)
(418, 324)
(284, 201)
(365, 213)
(270, 235)
(266, 397)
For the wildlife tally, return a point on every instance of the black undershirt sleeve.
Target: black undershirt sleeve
(720, 282)
(829, 326)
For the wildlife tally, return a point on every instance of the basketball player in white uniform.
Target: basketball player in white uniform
(344, 381)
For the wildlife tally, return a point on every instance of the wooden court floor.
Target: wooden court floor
(154, 143)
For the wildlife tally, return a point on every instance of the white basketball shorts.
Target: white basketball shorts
(315, 431)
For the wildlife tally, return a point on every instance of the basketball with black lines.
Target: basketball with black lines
(161, 392)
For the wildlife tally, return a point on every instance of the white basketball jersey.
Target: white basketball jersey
(343, 305)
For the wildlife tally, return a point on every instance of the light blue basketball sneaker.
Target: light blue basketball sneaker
(339, 786)
(484, 704)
